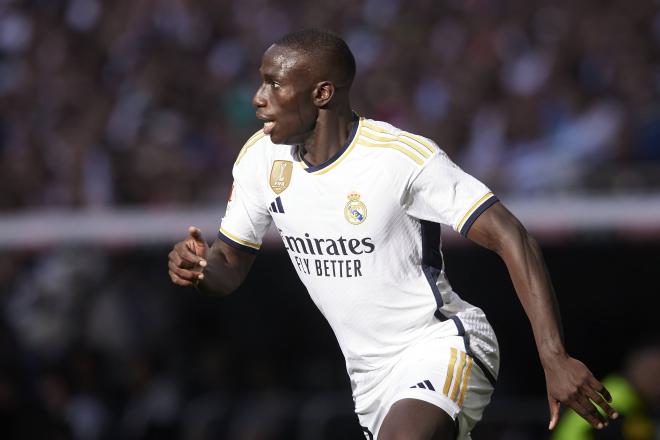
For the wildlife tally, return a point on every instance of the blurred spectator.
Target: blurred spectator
(152, 411)
(635, 395)
(143, 102)
(117, 103)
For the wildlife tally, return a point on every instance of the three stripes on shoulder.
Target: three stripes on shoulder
(417, 148)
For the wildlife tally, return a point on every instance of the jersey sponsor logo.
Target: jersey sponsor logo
(325, 257)
(280, 175)
(327, 246)
(355, 211)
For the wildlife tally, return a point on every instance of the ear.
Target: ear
(323, 93)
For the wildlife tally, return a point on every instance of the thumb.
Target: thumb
(554, 412)
(196, 234)
(197, 244)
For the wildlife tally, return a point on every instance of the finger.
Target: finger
(188, 259)
(599, 400)
(606, 394)
(185, 274)
(554, 412)
(176, 280)
(589, 412)
(603, 392)
(601, 396)
(600, 388)
(173, 256)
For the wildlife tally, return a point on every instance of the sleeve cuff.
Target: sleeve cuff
(237, 243)
(473, 214)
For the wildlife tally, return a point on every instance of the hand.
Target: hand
(570, 382)
(187, 259)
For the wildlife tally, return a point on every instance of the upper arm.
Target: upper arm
(441, 192)
(496, 227)
(247, 217)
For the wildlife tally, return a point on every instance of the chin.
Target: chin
(289, 139)
(274, 138)
(282, 140)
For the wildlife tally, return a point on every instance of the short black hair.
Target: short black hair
(325, 45)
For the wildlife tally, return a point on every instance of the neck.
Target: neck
(329, 135)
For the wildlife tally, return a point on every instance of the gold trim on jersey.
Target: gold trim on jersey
(395, 146)
(340, 158)
(472, 209)
(250, 142)
(240, 240)
(422, 140)
(428, 145)
(374, 137)
(413, 146)
(301, 161)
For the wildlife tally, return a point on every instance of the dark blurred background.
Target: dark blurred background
(119, 124)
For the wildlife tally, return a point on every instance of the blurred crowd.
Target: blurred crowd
(147, 103)
(124, 102)
(98, 345)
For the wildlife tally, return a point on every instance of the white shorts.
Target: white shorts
(437, 370)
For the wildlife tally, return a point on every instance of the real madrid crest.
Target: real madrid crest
(280, 175)
(355, 211)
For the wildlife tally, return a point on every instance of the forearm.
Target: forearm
(225, 269)
(498, 230)
(568, 380)
(524, 260)
(218, 279)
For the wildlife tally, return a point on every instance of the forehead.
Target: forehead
(284, 61)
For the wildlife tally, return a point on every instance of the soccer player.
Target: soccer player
(358, 204)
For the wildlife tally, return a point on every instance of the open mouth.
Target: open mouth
(268, 126)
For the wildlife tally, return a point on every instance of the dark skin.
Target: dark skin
(305, 102)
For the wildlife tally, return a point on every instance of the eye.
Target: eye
(275, 84)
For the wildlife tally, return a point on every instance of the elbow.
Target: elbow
(222, 292)
(212, 287)
(501, 232)
(515, 236)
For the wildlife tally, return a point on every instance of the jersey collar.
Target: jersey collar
(337, 157)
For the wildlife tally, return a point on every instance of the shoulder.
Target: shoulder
(259, 155)
(402, 144)
(252, 145)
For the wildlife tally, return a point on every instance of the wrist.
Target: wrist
(551, 354)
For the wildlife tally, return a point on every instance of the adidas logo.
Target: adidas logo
(426, 385)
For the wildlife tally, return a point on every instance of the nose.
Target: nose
(258, 99)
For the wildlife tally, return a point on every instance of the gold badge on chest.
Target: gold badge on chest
(280, 175)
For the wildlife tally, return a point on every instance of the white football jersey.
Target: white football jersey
(363, 233)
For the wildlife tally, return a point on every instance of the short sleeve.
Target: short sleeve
(443, 193)
(247, 217)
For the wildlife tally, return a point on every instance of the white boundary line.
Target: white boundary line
(547, 218)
